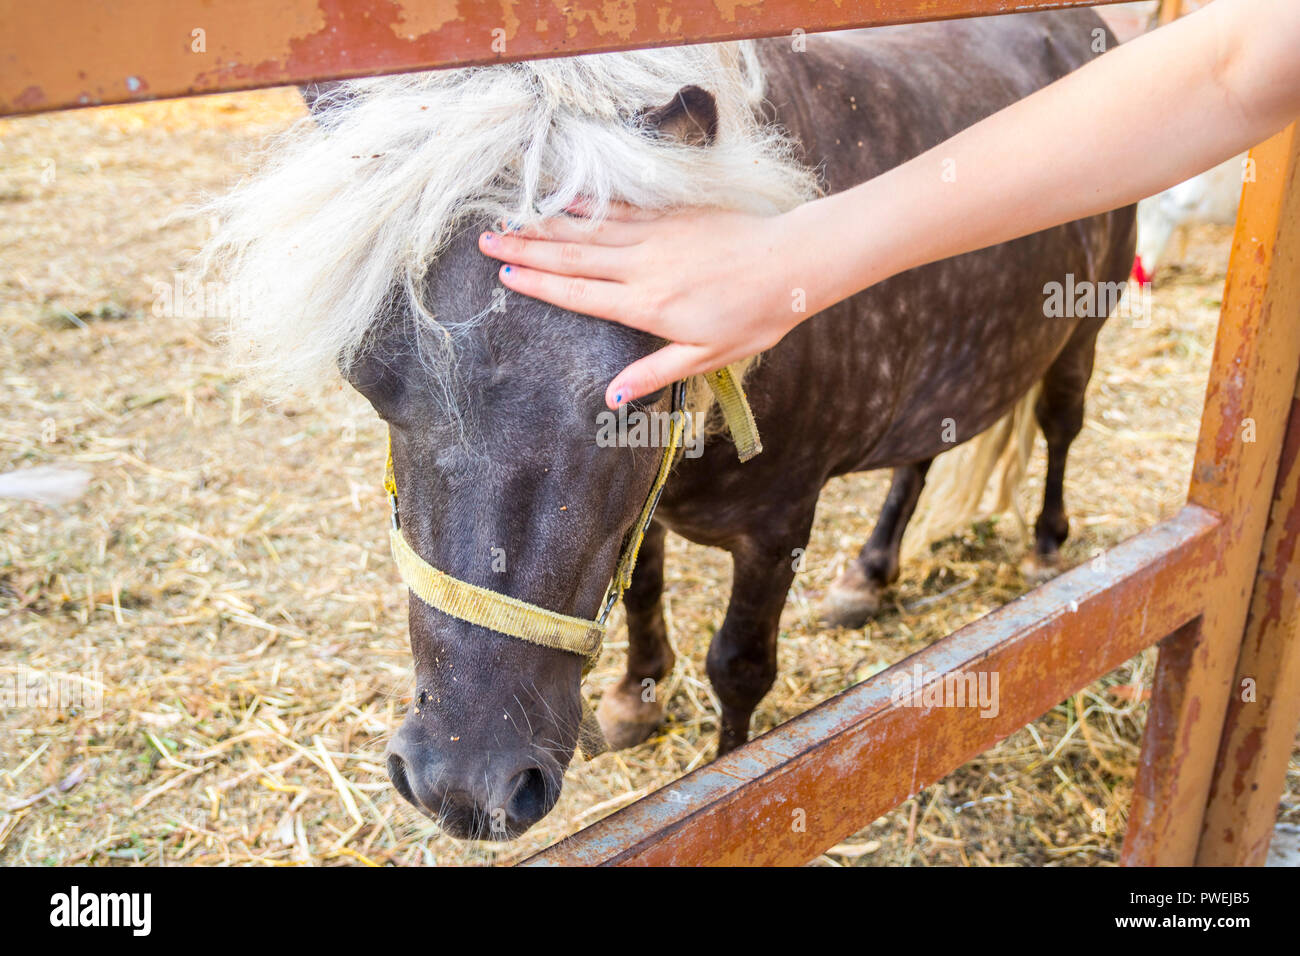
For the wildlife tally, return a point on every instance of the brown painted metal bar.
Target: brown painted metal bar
(787, 796)
(57, 54)
(1264, 702)
(1252, 381)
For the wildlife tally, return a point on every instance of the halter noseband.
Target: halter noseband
(537, 625)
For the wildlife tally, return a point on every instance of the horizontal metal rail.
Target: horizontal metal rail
(58, 54)
(788, 795)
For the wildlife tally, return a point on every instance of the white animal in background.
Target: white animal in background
(1211, 197)
(47, 484)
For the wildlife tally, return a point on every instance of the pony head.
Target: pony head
(354, 249)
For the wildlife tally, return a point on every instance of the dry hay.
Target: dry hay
(226, 581)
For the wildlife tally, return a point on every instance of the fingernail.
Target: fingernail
(489, 237)
(512, 226)
(505, 271)
(618, 398)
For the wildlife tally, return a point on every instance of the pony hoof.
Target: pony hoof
(1039, 568)
(626, 719)
(851, 602)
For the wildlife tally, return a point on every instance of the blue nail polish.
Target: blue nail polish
(490, 236)
(618, 398)
(506, 270)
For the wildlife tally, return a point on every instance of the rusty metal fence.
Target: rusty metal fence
(1217, 586)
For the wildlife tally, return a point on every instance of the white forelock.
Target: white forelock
(344, 212)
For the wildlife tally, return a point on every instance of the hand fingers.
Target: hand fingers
(564, 258)
(573, 229)
(615, 211)
(657, 370)
(598, 297)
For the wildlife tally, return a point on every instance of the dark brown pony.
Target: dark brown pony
(887, 379)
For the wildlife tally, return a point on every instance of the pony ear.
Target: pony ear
(690, 117)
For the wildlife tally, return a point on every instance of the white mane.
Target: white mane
(345, 211)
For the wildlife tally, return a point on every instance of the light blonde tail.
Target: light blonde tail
(958, 482)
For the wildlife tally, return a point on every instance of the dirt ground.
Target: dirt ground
(223, 597)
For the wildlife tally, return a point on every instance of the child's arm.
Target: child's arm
(1137, 120)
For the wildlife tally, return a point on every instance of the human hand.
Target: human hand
(719, 286)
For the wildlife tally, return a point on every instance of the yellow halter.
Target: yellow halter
(537, 625)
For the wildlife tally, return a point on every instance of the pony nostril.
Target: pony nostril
(397, 774)
(529, 798)
(469, 801)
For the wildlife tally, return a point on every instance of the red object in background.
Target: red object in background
(1140, 274)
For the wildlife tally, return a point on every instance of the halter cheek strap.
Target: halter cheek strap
(537, 625)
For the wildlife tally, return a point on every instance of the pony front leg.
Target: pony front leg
(742, 656)
(630, 711)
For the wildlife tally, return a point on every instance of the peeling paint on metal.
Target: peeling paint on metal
(417, 20)
(69, 53)
(728, 8)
